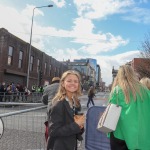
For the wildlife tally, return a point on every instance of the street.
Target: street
(28, 128)
(100, 100)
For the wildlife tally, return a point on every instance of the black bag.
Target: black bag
(44, 99)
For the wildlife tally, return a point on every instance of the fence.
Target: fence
(23, 126)
(20, 97)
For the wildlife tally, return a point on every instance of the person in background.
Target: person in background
(63, 128)
(48, 95)
(132, 130)
(2, 91)
(13, 91)
(26, 93)
(20, 90)
(146, 82)
(91, 94)
(50, 90)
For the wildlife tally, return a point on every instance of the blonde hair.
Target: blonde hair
(146, 82)
(126, 79)
(61, 94)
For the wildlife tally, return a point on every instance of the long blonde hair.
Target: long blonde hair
(61, 94)
(146, 82)
(126, 79)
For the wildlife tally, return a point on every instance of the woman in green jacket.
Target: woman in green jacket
(132, 131)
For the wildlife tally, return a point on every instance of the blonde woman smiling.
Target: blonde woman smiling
(64, 131)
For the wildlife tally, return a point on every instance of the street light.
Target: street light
(28, 73)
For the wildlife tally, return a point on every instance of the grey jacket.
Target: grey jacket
(49, 92)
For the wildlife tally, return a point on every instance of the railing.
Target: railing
(23, 126)
(20, 97)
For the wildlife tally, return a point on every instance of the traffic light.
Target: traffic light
(41, 75)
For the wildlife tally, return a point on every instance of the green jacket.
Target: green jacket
(134, 122)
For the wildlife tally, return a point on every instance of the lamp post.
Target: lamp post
(28, 71)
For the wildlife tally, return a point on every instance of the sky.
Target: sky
(110, 31)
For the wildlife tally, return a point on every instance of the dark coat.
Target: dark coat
(91, 93)
(62, 128)
(2, 89)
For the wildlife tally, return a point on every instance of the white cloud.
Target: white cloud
(94, 43)
(19, 23)
(29, 10)
(100, 9)
(138, 15)
(101, 43)
(97, 9)
(59, 3)
(12, 20)
(81, 33)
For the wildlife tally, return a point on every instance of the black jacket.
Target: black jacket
(63, 130)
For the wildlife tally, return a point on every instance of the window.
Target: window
(38, 65)
(31, 63)
(45, 68)
(10, 55)
(20, 59)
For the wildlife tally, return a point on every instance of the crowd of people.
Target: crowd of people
(15, 92)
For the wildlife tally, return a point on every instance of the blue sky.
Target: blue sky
(110, 31)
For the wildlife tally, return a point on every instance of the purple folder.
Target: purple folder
(94, 139)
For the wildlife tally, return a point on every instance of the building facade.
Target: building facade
(141, 66)
(114, 73)
(89, 69)
(14, 58)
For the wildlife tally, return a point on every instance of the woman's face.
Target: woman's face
(71, 83)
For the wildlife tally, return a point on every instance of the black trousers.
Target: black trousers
(117, 144)
(90, 100)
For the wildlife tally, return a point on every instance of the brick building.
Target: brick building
(139, 62)
(141, 66)
(14, 54)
